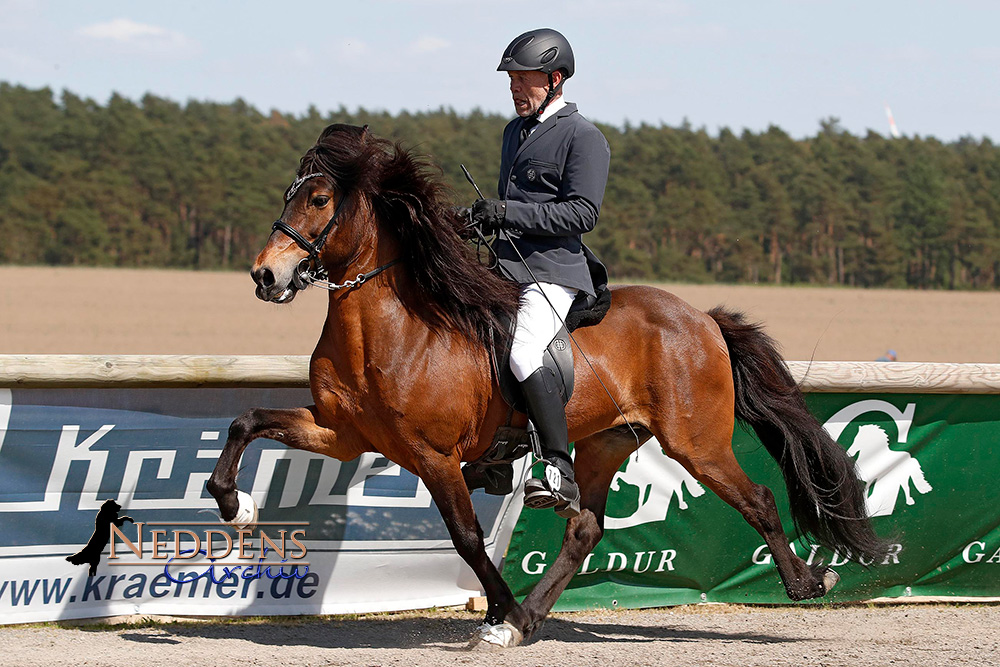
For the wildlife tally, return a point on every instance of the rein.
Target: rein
(360, 280)
(310, 270)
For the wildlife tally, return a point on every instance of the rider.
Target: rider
(553, 171)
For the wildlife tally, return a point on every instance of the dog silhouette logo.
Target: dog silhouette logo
(91, 554)
(886, 472)
(659, 479)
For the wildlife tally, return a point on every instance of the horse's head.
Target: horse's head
(870, 440)
(318, 230)
(360, 205)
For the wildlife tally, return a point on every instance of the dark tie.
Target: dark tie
(526, 128)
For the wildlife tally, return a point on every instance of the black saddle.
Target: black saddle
(494, 470)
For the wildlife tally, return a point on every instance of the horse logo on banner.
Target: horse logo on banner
(659, 478)
(886, 472)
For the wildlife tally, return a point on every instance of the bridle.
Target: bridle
(310, 270)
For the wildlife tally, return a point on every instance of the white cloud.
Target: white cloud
(352, 50)
(986, 53)
(21, 62)
(141, 36)
(429, 45)
(301, 56)
(913, 54)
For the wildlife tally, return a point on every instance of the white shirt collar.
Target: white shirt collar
(553, 107)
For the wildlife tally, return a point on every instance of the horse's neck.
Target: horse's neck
(377, 326)
(365, 313)
(370, 324)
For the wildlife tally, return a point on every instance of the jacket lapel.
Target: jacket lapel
(547, 125)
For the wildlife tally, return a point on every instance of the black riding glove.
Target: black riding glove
(463, 214)
(490, 215)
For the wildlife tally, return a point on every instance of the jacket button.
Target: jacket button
(513, 177)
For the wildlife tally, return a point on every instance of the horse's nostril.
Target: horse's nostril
(266, 277)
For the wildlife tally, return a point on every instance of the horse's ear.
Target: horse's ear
(364, 132)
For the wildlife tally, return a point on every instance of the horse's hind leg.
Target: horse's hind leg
(709, 458)
(294, 427)
(598, 458)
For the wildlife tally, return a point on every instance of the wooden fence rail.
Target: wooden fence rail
(77, 370)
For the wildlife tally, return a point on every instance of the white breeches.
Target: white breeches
(537, 325)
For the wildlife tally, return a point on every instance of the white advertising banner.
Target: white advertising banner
(332, 536)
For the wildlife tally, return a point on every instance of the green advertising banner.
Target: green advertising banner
(931, 464)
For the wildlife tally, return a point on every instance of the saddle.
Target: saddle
(494, 471)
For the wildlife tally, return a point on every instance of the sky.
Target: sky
(722, 63)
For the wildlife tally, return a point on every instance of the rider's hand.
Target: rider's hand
(463, 215)
(489, 214)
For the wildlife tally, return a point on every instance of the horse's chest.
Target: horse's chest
(362, 400)
(405, 396)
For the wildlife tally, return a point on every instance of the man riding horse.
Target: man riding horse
(402, 364)
(553, 171)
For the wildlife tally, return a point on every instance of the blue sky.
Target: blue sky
(718, 64)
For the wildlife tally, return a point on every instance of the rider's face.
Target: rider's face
(528, 90)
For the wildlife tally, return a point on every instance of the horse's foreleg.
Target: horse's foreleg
(295, 427)
(597, 460)
(443, 477)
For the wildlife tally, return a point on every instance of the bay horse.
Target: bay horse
(402, 368)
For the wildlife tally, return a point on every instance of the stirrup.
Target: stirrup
(555, 491)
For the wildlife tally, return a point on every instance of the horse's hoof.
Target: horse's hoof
(246, 512)
(503, 635)
(830, 579)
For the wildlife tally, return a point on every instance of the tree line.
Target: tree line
(157, 183)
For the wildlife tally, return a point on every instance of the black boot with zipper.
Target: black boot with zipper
(558, 488)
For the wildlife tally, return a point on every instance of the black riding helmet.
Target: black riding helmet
(542, 50)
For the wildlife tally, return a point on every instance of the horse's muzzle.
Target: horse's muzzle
(268, 288)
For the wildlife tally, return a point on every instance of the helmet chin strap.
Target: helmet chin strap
(553, 91)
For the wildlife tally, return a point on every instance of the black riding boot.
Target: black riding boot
(558, 488)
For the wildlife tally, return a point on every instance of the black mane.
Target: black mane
(410, 202)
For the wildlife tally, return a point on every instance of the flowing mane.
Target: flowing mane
(410, 202)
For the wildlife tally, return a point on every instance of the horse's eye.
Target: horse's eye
(320, 201)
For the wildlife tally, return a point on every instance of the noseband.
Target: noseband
(310, 270)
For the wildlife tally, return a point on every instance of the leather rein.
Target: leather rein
(310, 270)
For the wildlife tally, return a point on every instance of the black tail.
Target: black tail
(826, 497)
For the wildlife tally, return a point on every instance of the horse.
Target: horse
(402, 368)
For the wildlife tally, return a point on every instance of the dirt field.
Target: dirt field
(143, 312)
(94, 311)
(701, 635)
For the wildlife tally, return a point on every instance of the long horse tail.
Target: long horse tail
(826, 496)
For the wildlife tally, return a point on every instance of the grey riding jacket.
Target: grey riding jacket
(553, 184)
